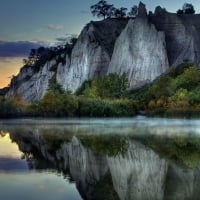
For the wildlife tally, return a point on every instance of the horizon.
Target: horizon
(35, 23)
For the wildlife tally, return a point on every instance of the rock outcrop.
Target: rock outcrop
(91, 55)
(89, 58)
(143, 49)
(31, 84)
(140, 52)
(182, 35)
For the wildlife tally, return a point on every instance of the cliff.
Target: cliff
(89, 57)
(143, 49)
(140, 51)
(182, 35)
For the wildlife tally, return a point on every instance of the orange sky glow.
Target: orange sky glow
(8, 68)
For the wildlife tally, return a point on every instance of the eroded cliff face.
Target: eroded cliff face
(31, 85)
(140, 52)
(90, 57)
(143, 49)
(92, 53)
(182, 35)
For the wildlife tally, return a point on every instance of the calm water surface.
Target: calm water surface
(101, 159)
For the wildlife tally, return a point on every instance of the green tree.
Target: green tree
(109, 86)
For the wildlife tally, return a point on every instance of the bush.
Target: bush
(52, 105)
(109, 86)
(10, 108)
(106, 108)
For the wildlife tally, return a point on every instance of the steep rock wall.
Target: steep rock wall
(92, 53)
(182, 35)
(31, 85)
(140, 52)
(89, 58)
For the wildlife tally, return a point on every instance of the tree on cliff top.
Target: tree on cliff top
(120, 12)
(102, 9)
(133, 12)
(186, 9)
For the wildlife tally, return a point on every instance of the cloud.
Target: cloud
(62, 39)
(55, 26)
(18, 48)
(66, 38)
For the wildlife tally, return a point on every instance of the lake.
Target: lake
(100, 159)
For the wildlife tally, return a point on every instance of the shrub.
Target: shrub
(106, 108)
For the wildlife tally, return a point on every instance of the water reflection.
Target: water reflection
(135, 159)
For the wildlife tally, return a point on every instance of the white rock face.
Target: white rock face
(140, 53)
(62, 71)
(32, 85)
(86, 59)
(91, 55)
(139, 174)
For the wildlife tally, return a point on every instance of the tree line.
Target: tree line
(103, 9)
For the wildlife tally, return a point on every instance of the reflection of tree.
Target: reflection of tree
(110, 145)
(183, 150)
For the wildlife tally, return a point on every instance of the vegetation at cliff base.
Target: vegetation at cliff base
(176, 93)
(100, 97)
(172, 94)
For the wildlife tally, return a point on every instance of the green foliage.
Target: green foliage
(106, 108)
(176, 91)
(160, 88)
(189, 79)
(110, 86)
(110, 145)
(184, 150)
(10, 108)
(55, 105)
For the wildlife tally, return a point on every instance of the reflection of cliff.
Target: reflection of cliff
(137, 173)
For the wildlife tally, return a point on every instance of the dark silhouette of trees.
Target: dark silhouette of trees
(38, 57)
(120, 12)
(102, 9)
(179, 12)
(133, 12)
(187, 9)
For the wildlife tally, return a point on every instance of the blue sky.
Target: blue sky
(27, 24)
(45, 20)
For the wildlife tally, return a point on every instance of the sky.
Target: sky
(27, 24)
